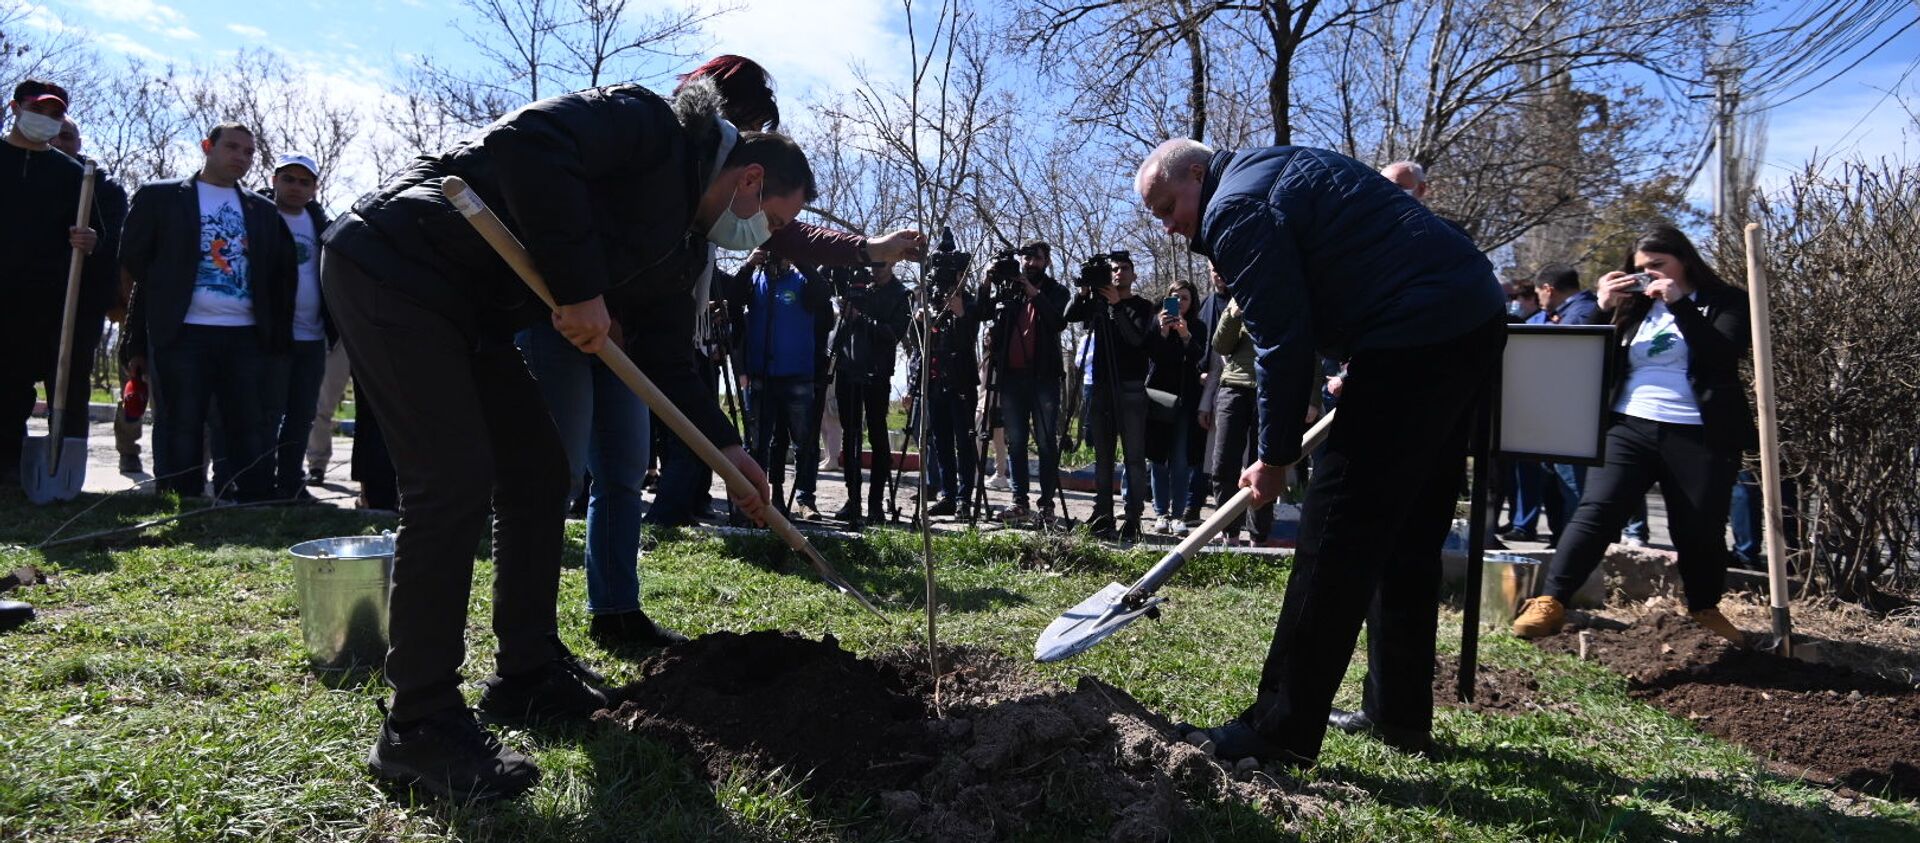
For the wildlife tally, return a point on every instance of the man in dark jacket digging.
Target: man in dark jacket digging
(615, 192)
(1326, 257)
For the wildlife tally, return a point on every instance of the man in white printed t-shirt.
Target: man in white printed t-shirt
(296, 183)
(211, 316)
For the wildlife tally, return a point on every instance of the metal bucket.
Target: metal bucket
(342, 584)
(1506, 582)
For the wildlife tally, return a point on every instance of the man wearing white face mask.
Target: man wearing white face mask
(615, 192)
(39, 197)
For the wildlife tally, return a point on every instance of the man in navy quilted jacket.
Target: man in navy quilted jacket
(1327, 258)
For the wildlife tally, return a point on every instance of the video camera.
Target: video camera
(851, 283)
(1097, 271)
(946, 266)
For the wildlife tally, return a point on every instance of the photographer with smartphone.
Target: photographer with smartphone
(1175, 351)
(1120, 323)
(1680, 418)
(873, 315)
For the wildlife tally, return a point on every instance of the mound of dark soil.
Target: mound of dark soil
(1010, 756)
(1825, 723)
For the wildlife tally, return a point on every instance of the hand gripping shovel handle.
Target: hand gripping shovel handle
(57, 402)
(1151, 581)
(516, 256)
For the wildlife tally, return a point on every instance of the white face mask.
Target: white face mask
(36, 127)
(732, 231)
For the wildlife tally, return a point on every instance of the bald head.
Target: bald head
(68, 141)
(1410, 176)
(1169, 183)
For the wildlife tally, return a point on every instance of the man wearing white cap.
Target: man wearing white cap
(296, 181)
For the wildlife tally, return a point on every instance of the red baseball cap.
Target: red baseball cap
(45, 97)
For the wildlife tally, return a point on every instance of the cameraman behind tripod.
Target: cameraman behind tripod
(955, 386)
(1029, 313)
(873, 314)
(1120, 322)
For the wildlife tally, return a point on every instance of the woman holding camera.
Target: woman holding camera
(1680, 419)
(1174, 438)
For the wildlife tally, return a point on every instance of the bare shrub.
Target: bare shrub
(1843, 259)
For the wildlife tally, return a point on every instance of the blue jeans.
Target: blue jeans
(787, 404)
(1177, 484)
(604, 428)
(205, 367)
(683, 495)
(1564, 486)
(305, 370)
(1529, 487)
(1030, 404)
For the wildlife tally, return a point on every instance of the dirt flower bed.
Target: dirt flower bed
(1823, 722)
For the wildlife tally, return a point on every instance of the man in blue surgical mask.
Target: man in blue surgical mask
(616, 192)
(39, 196)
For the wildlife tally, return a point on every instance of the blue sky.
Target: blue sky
(811, 45)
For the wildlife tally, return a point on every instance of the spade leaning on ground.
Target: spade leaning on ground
(615, 192)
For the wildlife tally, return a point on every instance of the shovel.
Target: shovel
(1110, 609)
(54, 470)
(516, 256)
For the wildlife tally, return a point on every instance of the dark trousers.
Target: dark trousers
(468, 433)
(1119, 415)
(955, 447)
(1377, 510)
(27, 360)
(1236, 444)
(372, 466)
(683, 493)
(863, 405)
(1696, 480)
(1030, 406)
(217, 380)
(306, 368)
(786, 405)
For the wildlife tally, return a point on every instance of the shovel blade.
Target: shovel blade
(46, 481)
(1084, 625)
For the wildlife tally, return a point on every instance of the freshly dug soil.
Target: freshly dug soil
(1496, 690)
(1827, 724)
(1010, 755)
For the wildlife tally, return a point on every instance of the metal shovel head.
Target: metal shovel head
(1087, 624)
(45, 481)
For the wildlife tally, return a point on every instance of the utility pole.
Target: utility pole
(1731, 183)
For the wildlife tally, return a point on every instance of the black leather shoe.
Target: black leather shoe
(848, 514)
(1234, 740)
(631, 629)
(13, 613)
(1130, 530)
(549, 694)
(1358, 723)
(449, 754)
(943, 506)
(1102, 527)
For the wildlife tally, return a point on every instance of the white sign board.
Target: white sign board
(1553, 392)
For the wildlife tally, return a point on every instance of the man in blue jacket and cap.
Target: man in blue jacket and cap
(1325, 257)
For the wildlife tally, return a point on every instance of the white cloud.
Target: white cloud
(246, 31)
(154, 16)
(122, 44)
(810, 45)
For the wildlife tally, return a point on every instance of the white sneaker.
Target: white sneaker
(999, 483)
(1178, 527)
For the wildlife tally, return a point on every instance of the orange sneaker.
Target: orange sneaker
(1712, 619)
(1540, 617)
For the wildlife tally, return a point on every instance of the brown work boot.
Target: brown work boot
(1540, 617)
(1712, 619)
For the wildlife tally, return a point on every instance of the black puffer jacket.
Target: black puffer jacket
(601, 185)
(866, 345)
(1717, 325)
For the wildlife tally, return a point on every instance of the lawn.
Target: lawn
(163, 695)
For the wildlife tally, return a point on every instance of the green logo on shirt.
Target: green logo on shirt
(1663, 342)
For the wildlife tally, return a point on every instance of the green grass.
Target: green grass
(163, 695)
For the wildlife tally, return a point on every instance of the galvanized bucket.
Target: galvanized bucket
(342, 584)
(1506, 582)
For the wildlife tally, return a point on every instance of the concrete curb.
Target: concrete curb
(104, 413)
